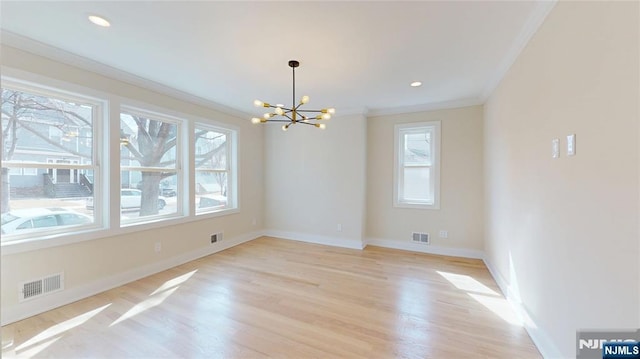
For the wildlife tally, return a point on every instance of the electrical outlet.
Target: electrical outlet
(254, 222)
(157, 247)
(571, 145)
(216, 237)
(443, 234)
(339, 227)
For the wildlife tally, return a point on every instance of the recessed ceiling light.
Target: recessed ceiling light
(416, 84)
(100, 21)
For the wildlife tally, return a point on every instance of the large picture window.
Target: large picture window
(48, 161)
(417, 165)
(57, 139)
(214, 169)
(150, 166)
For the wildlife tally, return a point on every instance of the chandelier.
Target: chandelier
(293, 115)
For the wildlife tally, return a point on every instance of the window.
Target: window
(54, 142)
(417, 165)
(149, 162)
(214, 169)
(49, 166)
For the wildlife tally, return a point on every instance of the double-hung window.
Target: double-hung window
(417, 165)
(150, 171)
(49, 161)
(215, 164)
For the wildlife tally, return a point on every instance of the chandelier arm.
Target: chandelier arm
(287, 116)
(309, 110)
(279, 121)
(306, 123)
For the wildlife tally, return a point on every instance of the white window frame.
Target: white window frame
(105, 143)
(179, 169)
(61, 91)
(231, 170)
(398, 174)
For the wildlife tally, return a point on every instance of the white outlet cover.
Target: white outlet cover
(443, 234)
(571, 145)
(555, 148)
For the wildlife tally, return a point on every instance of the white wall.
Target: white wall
(316, 181)
(562, 234)
(94, 265)
(461, 185)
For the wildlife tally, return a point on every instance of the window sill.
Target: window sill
(54, 240)
(435, 206)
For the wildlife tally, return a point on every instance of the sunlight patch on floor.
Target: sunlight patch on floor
(145, 305)
(174, 282)
(47, 337)
(156, 297)
(486, 296)
(466, 283)
(500, 307)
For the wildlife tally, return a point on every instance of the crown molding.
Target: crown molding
(532, 25)
(38, 48)
(425, 107)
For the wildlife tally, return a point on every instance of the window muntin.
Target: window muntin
(213, 163)
(149, 161)
(417, 165)
(48, 150)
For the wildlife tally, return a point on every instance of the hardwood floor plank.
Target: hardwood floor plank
(287, 299)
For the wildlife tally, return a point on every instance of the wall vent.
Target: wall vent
(422, 238)
(39, 287)
(216, 237)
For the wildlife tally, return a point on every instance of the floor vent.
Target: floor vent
(39, 287)
(422, 238)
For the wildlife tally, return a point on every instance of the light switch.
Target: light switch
(571, 145)
(555, 148)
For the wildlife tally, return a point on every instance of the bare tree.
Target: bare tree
(31, 116)
(150, 148)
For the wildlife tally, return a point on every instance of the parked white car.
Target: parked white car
(23, 220)
(131, 199)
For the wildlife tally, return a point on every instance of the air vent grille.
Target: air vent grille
(39, 287)
(422, 238)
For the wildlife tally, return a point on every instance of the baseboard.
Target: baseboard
(36, 306)
(539, 336)
(409, 246)
(317, 239)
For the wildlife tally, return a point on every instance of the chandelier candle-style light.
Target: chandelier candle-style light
(294, 114)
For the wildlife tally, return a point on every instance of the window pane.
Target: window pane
(210, 149)
(149, 167)
(416, 184)
(417, 148)
(211, 190)
(40, 128)
(147, 194)
(146, 142)
(50, 201)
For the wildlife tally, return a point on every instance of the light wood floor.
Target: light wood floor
(278, 298)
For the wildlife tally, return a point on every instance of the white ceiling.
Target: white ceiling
(354, 56)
